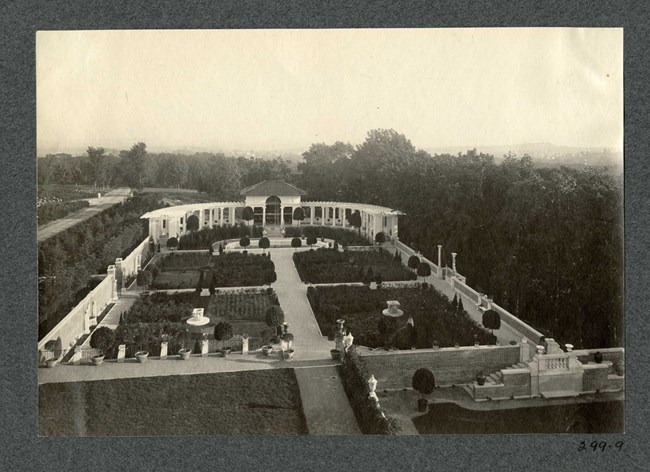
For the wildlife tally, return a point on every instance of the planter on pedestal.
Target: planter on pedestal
(185, 354)
(288, 354)
(225, 351)
(141, 356)
(51, 362)
(267, 350)
(97, 359)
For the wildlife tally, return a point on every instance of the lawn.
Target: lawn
(332, 266)
(185, 405)
(435, 319)
(182, 269)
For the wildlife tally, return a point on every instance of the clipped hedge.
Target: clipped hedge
(345, 237)
(331, 266)
(203, 238)
(370, 416)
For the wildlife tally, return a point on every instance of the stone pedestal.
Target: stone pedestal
(244, 345)
(204, 348)
(121, 352)
(163, 350)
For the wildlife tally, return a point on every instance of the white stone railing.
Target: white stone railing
(555, 362)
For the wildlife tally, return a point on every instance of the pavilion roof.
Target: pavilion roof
(182, 210)
(267, 188)
(366, 207)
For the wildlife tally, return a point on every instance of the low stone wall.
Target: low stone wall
(131, 264)
(394, 369)
(77, 322)
(615, 355)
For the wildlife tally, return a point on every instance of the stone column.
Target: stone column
(453, 262)
(264, 215)
(87, 320)
(119, 274)
(312, 210)
(220, 216)
(524, 351)
(440, 276)
(244, 345)
(281, 215)
(204, 348)
(111, 274)
(163, 350)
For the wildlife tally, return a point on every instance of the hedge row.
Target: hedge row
(370, 416)
(331, 266)
(205, 237)
(54, 211)
(345, 237)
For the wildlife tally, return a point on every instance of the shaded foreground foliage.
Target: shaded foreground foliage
(183, 405)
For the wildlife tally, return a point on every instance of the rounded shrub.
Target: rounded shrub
(102, 338)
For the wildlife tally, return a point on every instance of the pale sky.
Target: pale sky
(285, 89)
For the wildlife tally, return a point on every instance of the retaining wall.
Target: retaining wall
(394, 369)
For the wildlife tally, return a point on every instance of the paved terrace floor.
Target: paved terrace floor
(97, 205)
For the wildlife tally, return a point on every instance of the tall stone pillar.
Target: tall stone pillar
(264, 215)
(312, 210)
(220, 216)
(281, 215)
(440, 275)
(111, 274)
(453, 262)
(119, 274)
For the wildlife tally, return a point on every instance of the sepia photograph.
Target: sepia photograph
(330, 232)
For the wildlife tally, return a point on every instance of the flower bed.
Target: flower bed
(331, 266)
(434, 317)
(248, 305)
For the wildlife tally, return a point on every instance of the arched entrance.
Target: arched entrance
(273, 210)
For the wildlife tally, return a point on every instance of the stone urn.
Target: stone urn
(288, 354)
(267, 350)
(336, 354)
(141, 356)
(184, 354)
(97, 359)
(225, 351)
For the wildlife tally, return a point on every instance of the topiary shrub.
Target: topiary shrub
(223, 331)
(192, 223)
(245, 242)
(491, 320)
(172, 243)
(144, 278)
(413, 262)
(296, 243)
(247, 214)
(264, 244)
(311, 240)
(423, 382)
(380, 238)
(423, 270)
(102, 338)
(274, 316)
(269, 276)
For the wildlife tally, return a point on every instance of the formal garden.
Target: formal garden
(334, 266)
(179, 405)
(161, 317)
(204, 238)
(436, 320)
(182, 270)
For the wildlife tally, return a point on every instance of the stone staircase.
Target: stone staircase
(273, 232)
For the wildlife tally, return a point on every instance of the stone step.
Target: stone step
(494, 378)
(468, 389)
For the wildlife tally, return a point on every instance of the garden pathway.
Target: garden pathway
(97, 205)
(292, 293)
(326, 406)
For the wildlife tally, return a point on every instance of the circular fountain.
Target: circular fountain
(197, 318)
(393, 309)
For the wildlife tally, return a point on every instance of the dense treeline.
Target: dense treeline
(546, 243)
(67, 260)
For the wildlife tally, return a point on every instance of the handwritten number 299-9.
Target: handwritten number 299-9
(600, 445)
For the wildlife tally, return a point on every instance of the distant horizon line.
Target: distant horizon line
(300, 149)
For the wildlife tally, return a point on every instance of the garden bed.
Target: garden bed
(435, 318)
(332, 266)
(182, 270)
(183, 405)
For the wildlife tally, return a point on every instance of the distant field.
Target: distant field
(183, 405)
(180, 196)
(54, 192)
